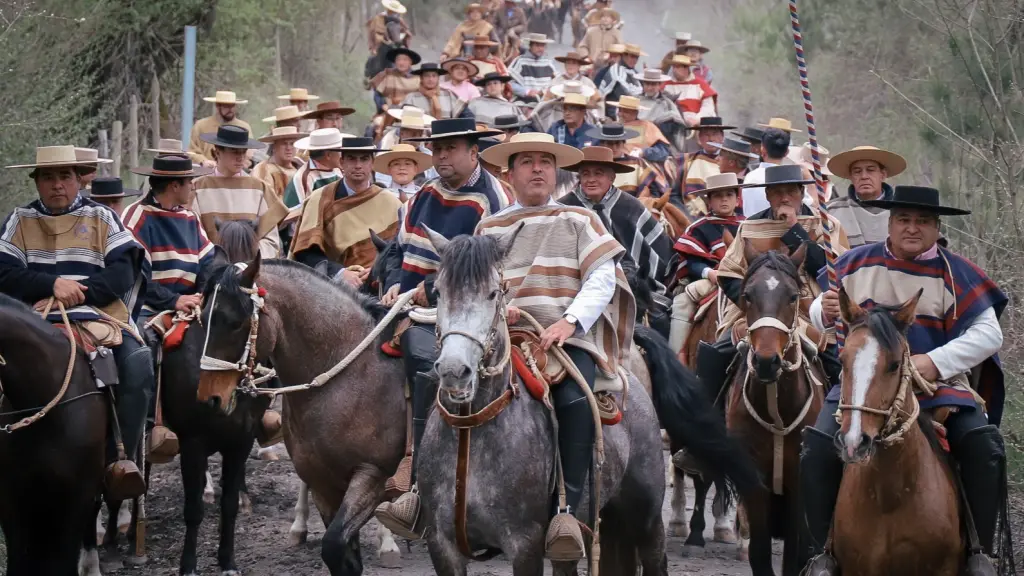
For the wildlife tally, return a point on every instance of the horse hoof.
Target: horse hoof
(743, 550)
(111, 565)
(725, 536)
(137, 560)
(678, 529)
(693, 551)
(390, 558)
(208, 497)
(230, 573)
(296, 538)
(268, 454)
(244, 504)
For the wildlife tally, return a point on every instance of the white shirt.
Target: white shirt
(754, 199)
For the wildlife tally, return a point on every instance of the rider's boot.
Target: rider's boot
(821, 472)
(403, 515)
(713, 362)
(269, 431)
(564, 540)
(982, 459)
(123, 479)
(682, 324)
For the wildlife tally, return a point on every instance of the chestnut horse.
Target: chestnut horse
(773, 396)
(896, 474)
(671, 217)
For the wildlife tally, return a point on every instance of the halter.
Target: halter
(498, 328)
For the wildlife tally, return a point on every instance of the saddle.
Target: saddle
(171, 328)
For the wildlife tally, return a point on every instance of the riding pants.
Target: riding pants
(419, 352)
(575, 427)
(977, 446)
(134, 390)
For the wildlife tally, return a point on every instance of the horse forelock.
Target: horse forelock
(468, 265)
(772, 260)
(882, 324)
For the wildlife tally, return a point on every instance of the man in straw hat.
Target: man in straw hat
(67, 248)
(482, 58)
(225, 113)
(412, 123)
(801, 156)
(695, 97)
(867, 168)
(644, 180)
(649, 247)
(474, 25)
(459, 81)
(585, 304)
(696, 51)
(787, 225)
(336, 220)
(110, 192)
(532, 72)
(573, 129)
(621, 79)
(493, 102)
(301, 99)
(949, 311)
(322, 168)
(681, 39)
(388, 27)
(230, 194)
(572, 61)
(650, 143)
(774, 149)
(329, 114)
(167, 147)
(431, 97)
(702, 247)
(289, 115)
(280, 167)
(598, 10)
(392, 85)
(600, 38)
(509, 24)
(400, 165)
(661, 109)
(452, 204)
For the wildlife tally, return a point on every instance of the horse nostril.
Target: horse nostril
(464, 372)
(768, 366)
(214, 401)
(866, 441)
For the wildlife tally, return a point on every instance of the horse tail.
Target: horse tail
(690, 418)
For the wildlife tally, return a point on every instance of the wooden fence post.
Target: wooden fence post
(115, 148)
(133, 136)
(154, 112)
(277, 46)
(104, 152)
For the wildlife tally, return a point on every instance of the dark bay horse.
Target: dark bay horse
(52, 470)
(896, 474)
(509, 495)
(773, 396)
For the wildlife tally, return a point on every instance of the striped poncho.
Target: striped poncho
(87, 243)
(955, 293)
(447, 212)
(555, 250)
(223, 198)
(704, 244)
(177, 250)
(306, 179)
(529, 72)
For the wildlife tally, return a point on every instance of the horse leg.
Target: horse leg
(388, 553)
(244, 501)
(448, 561)
(723, 510)
(743, 527)
(340, 547)
(791, 565)
(111, 554)
(300, 527)
(694, 545)
(760, 535)
(208, 495)
(232, 480)
(677, 525)
(89, 557)
(650, 549)
(193, 474)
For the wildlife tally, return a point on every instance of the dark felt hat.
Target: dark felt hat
(508, 122)
(173, 166)
(740, 147)
(612, 132)
(919, 198)
(492, 76)
(395, 52)
(229, 136)
(430, 67)
(358, 144)
(750, 134)
(711, 123)
(778, 175)
(109, 187)
(455, 128)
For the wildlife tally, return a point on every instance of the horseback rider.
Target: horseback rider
(392, 85)
(573, 129)
(280, 166)
(225, 114)
(695, 98)
(649, 143)
(231, 194)
(661, 109)
(572, 62)
(402, 163)
(696, 51)
(329, 114)
(430, 97)
(621, 79)
(412, 123)
(388, 27)
(681, 39)
(493, 102)
(644, 180)
(751, 135)
(793, 224)
(956, 331)
(474, 25)
(702, 246)
(734, 156)
(509, 23)
(322, 168)
(580, 302)
(774, 149)
(300, 98)
(599, 39)
(336, 220)
(109, 191)
(867, 168)
(451, 204)
(77, 252)
(486, 62)
(532, 72)
(459, 81)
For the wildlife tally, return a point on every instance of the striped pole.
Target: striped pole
(812, 136)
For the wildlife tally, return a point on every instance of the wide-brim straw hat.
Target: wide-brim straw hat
(298, 95)
(921, 198)
(696, 44)
(394, 6)
(57, 157)
(329, 107)
(532, 142)
(573, 57)
(173, 166)
(602, 156)
(399, 152)
(449, 63)
(230, 136)
(455, 128)
(802, 155)
(576, 100)
(893, 163)
(681, 60)
(653, 75)
(474, 6)
(780, 124)
(616, 49)
(109, 187)
(535, 38)
(90, 155)
(481, 41)
(572, 87)
(684, 36)
(634, 50)
(723, 181)
(628, 103)
(285, 113)
(323, 139)
(167, 146)
(411, 118)
(225, 97)
(283, 133)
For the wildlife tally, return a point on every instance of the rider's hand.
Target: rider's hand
(713, 276)
(354, 278)
(69, 292)
(187, 303)
(512, 315)
(420, 296)
(390, 296)
(830, 307)
(557, 332)
(925, 367)
(787, 214)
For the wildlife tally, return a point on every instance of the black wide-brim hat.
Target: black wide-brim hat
(919, 198)
(455, 128)
(358, 144)
(492, 76)
(395, 52)
(739, 147)
(750, 134)
(173, 166)
(508, 122)
(611, 132)
(228, 136)
(109, 187)
(711, 123)
(778, 175)
(430, 67)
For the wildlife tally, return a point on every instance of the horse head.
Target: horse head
(238, 238)
(770, 298)
(470, 309)
(873, 356)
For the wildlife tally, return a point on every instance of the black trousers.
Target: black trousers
(575, 426)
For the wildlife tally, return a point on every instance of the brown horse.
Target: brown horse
(774, 395)
(895, 474)
(671, 217)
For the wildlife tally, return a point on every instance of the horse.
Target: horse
(52, 469)
(509, 493)
(674, 220)
(347, 434)
(896, 472)
(772, 397)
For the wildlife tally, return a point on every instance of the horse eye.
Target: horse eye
(794, 298)
(893, 366)
(492, 295)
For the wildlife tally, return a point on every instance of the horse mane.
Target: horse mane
(883, 327)
(467, 263)
(18, 308)
(238, 238)
(773, 260)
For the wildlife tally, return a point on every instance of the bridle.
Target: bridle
(498, 329)
(897, 419)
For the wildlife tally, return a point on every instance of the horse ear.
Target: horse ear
(439, 241)
(323, 267)
(506, 241)
(379, 243)
(908, 311)
(798, 256)
(251, 272)
(749, 252)
(661, 201)
(850, 311)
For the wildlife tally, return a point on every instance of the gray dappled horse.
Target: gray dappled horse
(510, 487)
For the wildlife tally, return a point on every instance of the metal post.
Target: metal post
(188, 86)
